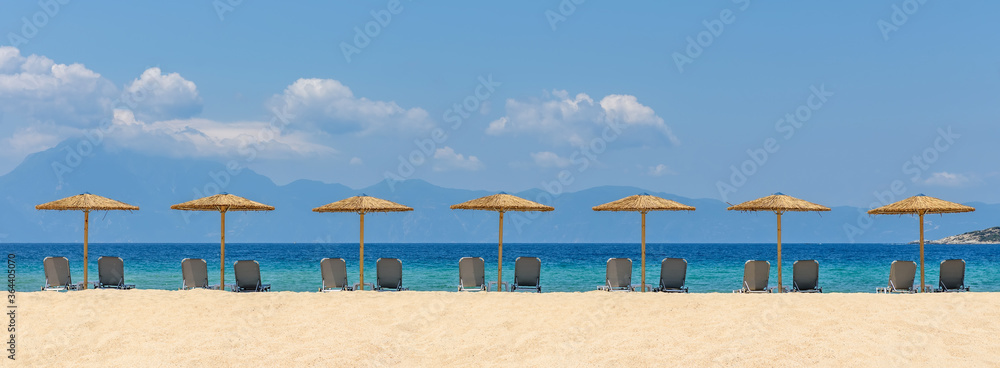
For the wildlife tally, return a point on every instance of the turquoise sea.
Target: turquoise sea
(565, 267)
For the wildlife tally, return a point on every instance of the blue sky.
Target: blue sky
(667, 96)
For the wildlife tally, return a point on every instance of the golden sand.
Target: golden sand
(202, 328)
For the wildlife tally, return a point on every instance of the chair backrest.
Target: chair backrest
(673, 271)
(619, 273)
(755, 275)
(527, 271)
(389, 273)
(334, 271)
(56, 271)
(471, 272)
(247, 274)
(111, 271)
(901, 274)
(195, 272)
(952, 274)
(805, 274)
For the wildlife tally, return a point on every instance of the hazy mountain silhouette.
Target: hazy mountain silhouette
(154, 183)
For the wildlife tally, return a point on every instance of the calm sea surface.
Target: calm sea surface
(565, 267)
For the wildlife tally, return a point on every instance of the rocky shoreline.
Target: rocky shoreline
(987, 236)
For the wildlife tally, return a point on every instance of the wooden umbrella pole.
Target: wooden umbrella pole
(643, 251)
(500, 255)
(362, 261)
(86, 236)
(922, 288)
(780, 289)
(222, 261)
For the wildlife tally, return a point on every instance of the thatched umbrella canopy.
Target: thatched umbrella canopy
(86, 202)
(501, 203)
(223, 203)
(643, 203)
(779, 204)
(361, 205)
(921, 205)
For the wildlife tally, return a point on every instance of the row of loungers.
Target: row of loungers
(527, 272)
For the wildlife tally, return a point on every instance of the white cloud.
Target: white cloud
(160, 96)
(38, 89)
(628, 110)
(549, 159)
(356, 161)
(946, 179)
(447, 159)
(208, 138)
(576, 120)
(497, 126)
(328, 105)
(659, 170)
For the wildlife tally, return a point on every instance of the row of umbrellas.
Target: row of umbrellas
(501, 203)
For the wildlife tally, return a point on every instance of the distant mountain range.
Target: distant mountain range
(986, 236)
(155, 183)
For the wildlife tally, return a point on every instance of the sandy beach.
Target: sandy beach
(202, 328)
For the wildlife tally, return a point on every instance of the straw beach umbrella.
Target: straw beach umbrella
(779, 204)
(86, 202)
(921, 205)
(223, 203)
(362, 204)
(501, 203)
(643, 203)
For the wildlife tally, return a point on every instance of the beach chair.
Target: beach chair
(952, 278)
(248, 277)
(195, 274)
(527, 272)
(334, 272)
(389, 275)
(673, 272)
(57, 275)
(472, 274)
(901, 274)
(805, 277)
(755, 275)
(618, 276)
(111, 274)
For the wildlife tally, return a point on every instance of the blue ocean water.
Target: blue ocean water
(565, 267)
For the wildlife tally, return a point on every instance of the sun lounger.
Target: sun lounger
(901, 274)
(195, 274)
(57, 275)
(389, 275)
(472, 274)
(248, 277)
(527, 273)
(805, 276)
(755, 275)
(618, 276)
(334, 272)
(111, 274)
(952, 276)
(673, 272)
